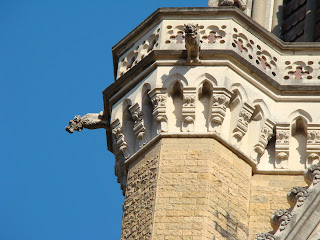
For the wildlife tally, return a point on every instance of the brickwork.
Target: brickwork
(140, 196)
(203, 191)
(269, 193)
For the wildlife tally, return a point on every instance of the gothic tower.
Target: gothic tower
(208, 147)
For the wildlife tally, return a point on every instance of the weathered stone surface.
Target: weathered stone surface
(187, 188)
(89, 121)
(138, 207)
(242, 4)
(192, 40)
(268, 193)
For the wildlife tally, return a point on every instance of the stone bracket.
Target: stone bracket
(120, 139)
(159, 99)
(242, 124)
(138, 127)
(221, 99)
(313, 144)
(265, 135)
(282, 145)
(188, 109)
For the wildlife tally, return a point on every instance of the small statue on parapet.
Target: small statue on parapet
(242, 4)
(89, 121)
(192, 41)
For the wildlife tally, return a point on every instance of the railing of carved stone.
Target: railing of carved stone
(139, 50)
(303, 69)
(299, 198)
(226, 34)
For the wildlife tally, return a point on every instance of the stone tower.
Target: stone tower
(208, 148)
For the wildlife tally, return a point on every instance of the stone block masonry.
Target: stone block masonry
(137, 220)
(268, 193)
(203, 191)
(197, 189)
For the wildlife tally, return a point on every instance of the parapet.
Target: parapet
(256, 94)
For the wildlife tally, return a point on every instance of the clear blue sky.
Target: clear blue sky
(55, 61)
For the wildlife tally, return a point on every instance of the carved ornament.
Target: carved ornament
(265, 236)
(280, 219)
(312, 174)
(297, 196)
(242, 4)
(220, 102)
(192, 40)
(242, 124)
(138, 127)
(89, 121)
(120, 139)
(159, 99)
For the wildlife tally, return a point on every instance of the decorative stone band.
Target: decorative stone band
(188, 111)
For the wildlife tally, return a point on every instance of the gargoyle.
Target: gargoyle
(89, 121)
(242, 4)
(192, 40)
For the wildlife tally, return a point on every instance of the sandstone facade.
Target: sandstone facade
(208, 148)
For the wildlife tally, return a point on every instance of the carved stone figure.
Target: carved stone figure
(89, 121)
(192, 40)
(242, 4)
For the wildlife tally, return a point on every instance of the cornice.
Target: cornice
(247, 74)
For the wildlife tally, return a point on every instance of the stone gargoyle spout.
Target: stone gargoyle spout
(89, 121)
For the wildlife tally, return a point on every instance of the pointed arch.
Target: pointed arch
(174, 106)
(203, 105)
(238, 88)
(299, 120)
(147, 109)
(205, 77)
(173, 78)
(263, 106)
(300, 113)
